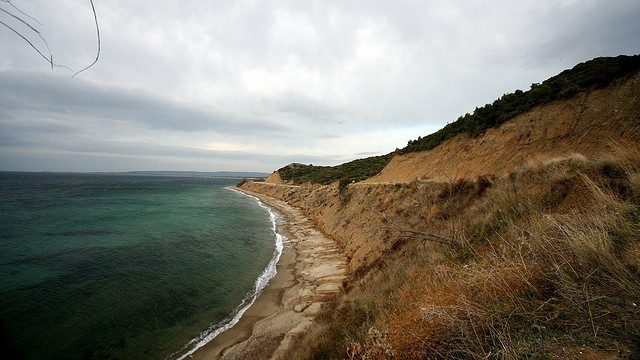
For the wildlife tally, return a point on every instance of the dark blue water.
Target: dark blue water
(124, 267)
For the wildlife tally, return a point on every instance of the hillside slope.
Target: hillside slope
(542, 264)
(582, 79)
(589, 123)
(520, 243)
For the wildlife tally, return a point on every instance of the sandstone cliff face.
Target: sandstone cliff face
(357, 218)
(274, 178)
(544, 244)
(361, 217)
(588, 123)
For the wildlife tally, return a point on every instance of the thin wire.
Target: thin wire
(95, 17)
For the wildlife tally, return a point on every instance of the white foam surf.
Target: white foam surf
(261, 282)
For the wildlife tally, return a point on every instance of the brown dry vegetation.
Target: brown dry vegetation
(587, 123)
(543, 262)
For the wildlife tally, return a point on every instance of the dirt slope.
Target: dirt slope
(274, 178)
(354, 217)
(532, 253)
(588, 124)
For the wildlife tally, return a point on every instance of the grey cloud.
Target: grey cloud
(559, 36)
(284, 76)
(121, 151)
(307, 107)
(60, 96)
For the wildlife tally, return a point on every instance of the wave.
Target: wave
(261, 282)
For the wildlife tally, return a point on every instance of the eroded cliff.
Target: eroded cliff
(521, 241)
(589, 123)
(357, 216)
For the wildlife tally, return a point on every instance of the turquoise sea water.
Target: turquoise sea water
(126, 267)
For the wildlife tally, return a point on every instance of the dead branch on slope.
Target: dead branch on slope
(415, 234)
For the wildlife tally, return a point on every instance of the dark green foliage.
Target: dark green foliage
(342, 185)
(593, 74)
(356, 170)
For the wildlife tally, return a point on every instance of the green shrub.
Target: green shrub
(593, 74)
(356, 170)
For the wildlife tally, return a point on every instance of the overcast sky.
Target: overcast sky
(254, 85)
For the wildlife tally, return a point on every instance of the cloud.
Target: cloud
(282, 80)
(115, 156)
(62, 97)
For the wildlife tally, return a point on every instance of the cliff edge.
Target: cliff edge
(590, 123)
(521, 242)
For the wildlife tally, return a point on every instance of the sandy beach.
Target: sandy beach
(311, 266)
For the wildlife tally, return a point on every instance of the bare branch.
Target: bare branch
(19, 19)
(21, 12)
(29, 26)
(416, 234)
(48, 59)
(95, 17)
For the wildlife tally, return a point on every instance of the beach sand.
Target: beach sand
(311, 266)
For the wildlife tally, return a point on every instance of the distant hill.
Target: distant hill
(356, 170)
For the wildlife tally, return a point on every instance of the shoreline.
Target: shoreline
(310, 267)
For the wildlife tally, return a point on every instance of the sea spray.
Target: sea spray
(261, 282)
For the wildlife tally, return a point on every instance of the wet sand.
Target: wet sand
(310, 267)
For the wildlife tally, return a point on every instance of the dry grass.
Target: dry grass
(263, 346)
(550, 263)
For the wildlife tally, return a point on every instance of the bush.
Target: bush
(593, 74)
(556, 275)
(353, 171)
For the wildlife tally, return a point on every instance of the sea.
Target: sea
(101, 266)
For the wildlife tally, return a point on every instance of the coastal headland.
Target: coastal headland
(512, 231)
(311, 268)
